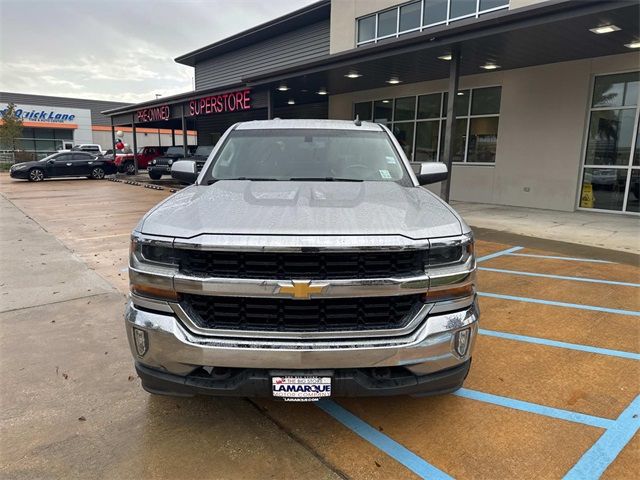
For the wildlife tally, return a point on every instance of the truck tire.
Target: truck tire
(129, 168)
(155, 175)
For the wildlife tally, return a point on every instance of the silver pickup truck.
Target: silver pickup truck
(305, 261)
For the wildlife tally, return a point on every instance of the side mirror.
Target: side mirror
(184, 171)
(51, 162)
(432, 172)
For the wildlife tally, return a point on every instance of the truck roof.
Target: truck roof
(303, 124)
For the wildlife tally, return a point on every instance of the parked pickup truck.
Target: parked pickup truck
(306, 261)
(145, 156)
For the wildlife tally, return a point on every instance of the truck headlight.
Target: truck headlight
(152, 252)
(451, 267)
(154, 161)
(170, 162)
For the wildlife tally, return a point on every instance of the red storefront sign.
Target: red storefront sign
(153, 114)
(224, 103)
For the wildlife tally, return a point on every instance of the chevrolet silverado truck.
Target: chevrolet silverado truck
(305, 261)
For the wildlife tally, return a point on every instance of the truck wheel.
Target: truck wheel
(97, 173)
(36, 175)
(130, 168)
(155, 175)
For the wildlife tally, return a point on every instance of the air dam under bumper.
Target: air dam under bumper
(175, 356)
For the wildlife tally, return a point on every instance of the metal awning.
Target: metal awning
(555, 32)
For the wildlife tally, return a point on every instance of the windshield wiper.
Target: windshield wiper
(251, 179)
(324, 179)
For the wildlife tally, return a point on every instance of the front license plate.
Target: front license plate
(301, 389)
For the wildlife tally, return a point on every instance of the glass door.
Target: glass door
(611, 170)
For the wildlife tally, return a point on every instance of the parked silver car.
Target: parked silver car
(306, 261)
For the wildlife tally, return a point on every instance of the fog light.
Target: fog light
(462, 341)
(140, 339)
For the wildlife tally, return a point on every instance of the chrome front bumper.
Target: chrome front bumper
(427, 349)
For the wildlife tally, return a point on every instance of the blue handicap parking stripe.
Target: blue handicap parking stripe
(552, 257)
(555, 343)
(498, 254)
(559, 277)
(598, 458)
(632, 313)
(535, 408)
(406, 457)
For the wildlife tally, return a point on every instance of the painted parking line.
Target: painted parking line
(498, 254)
(552, 257)
(559, 277)
(555, 343)
(598, 458)
(578, 306)
(406, 457)
(529, 407)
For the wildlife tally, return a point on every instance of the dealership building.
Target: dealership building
(52, 123)
(535, 103)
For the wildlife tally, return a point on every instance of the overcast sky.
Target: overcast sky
(120, 50)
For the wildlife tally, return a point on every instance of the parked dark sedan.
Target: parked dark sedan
(64, 164)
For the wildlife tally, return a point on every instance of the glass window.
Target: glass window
(405, 109)
(388, 23)
(45, 133)
(462, 7)
(435, 11)
(27, 144)
(633, 200)
(429, 106)
(459, 139)
(308, 154)
(382, 110)
(45, 145)
(636, 151)
(603, 188)
(483, 140)
(410, 16)
(461, 104)
(486, 101)
(363, 110)
(427, 141)
(616, 90)
(610, 134)
(366, 28)
(404, 134)
(488, 4)
(63, 134)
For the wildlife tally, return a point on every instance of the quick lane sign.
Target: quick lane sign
(32, 115)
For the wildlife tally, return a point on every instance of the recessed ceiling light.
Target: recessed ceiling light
(283, 88)
(460, 93)
(490, 66)
(445, 57)
(605, 29)
(322, 91)
(291, 102)
(635, 44)
(386, 101)
(394, 81)
(353, 75)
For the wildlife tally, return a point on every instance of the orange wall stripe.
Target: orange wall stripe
(49, 125)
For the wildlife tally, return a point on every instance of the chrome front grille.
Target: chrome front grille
(312, 265)
(287, 315)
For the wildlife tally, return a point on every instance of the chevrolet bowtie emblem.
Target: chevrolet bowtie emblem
(301, 289)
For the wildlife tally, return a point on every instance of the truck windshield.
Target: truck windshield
(174, 151)
(308, 154)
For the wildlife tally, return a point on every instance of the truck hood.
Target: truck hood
(303, 208)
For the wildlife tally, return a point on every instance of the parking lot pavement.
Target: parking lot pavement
(553, 391)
